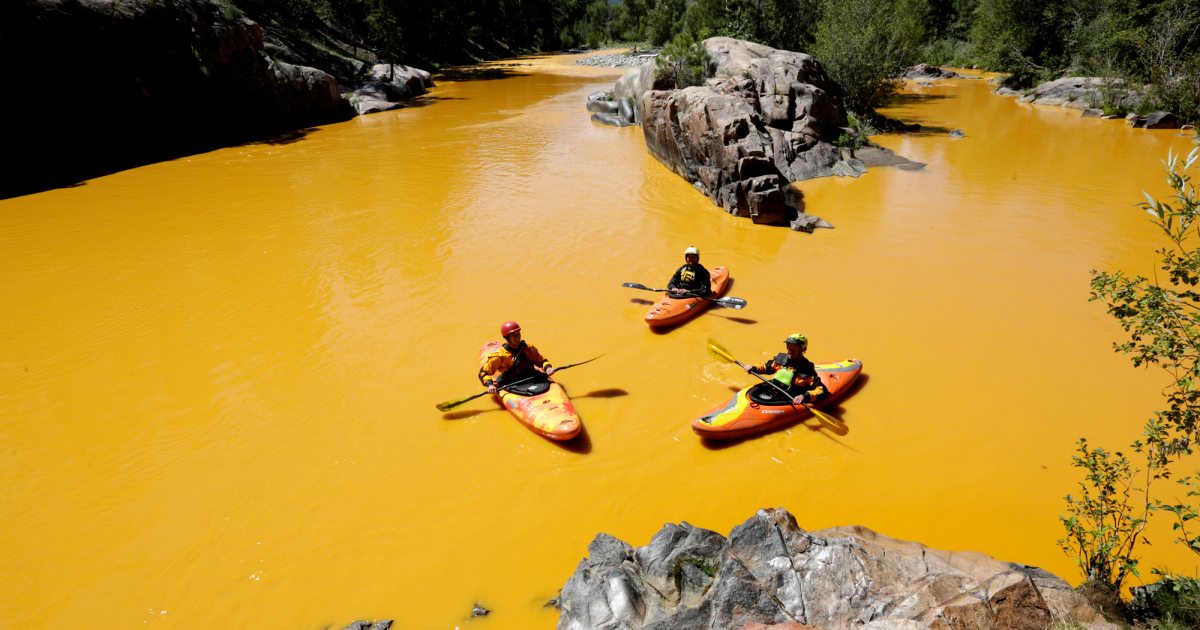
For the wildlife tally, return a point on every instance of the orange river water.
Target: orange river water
(220, 372)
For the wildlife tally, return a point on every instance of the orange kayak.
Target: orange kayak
(547, 411)
(761, 408)
(668, 311)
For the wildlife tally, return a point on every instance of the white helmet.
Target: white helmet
(691, 250)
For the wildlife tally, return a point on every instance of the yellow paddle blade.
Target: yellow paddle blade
(719, 352)
(824, 417)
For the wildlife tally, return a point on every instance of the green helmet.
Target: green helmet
(799, 340)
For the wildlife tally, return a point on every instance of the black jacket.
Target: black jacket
(694, 279)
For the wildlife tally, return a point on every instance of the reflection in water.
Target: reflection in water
(221, 370)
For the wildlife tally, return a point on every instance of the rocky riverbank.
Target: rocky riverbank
(1092, 95)
(140, 81)
(771, 573)
(767, 118)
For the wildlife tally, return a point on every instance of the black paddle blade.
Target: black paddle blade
(734, 303)
(634, 285)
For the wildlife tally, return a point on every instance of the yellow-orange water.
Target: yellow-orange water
(220, 372)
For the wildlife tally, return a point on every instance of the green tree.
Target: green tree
(1162, 317)
(862, 44)
(683, 63)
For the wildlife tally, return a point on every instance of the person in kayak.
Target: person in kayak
(514, 360)
(692, 279)
(794, 372)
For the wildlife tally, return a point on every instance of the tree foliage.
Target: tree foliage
(683, 63)
(863, 44)
(1162, 316)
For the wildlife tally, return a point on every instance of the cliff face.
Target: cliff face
(138, 81)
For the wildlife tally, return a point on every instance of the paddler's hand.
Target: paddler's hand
(551, 370)
(750, 369)
(492, 388)
(799, 400)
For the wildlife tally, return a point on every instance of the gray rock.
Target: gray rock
(602, 106)
(1006, 91)
(924, 84)
(1092, 113)
(609, 119)
(772, 571)
(1081, 93)
(928, 71)
(956, 133)
(382, 625)
(479, 610)
(1161, 120)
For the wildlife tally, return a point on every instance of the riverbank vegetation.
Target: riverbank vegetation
(1105, 523)
(1149, 45)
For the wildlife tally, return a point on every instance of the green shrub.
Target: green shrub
(1175, 603)
(683, 63)
(863, 44)
(948, 52)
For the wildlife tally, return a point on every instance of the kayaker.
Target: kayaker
(692, 279)
(512, 361)
(794, 372)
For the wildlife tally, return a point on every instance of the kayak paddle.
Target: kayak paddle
(730, 302)
(450, 404)
(719, 351)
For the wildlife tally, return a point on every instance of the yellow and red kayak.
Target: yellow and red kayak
(668, 311)
(547, 412)
(761, 408)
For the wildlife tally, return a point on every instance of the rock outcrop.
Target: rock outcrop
(767, 117)
(147, 81)
(386, 87)
(770, 571)
(1079, 93)
(150, 80)
(929, 71)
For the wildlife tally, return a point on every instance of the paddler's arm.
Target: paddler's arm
(765, 368)
(494, 365)
(815, 390)
(539, 360)
(673, 285)
(703, 281)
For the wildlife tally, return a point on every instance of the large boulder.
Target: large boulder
(770, 571)
(928, 71)
(1081, 93)
(767, 118)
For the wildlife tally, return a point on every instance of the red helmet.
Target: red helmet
(508, 328)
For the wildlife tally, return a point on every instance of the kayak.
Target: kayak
(546, 409)
(761, 408)
(668, 311)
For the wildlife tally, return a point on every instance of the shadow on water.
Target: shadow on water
(465, 413)
(580, 444)
(740, 320)
(927, 131)
(604, 393)
(641, 301)
(282, 139)
(478, 73)
(916, 99)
